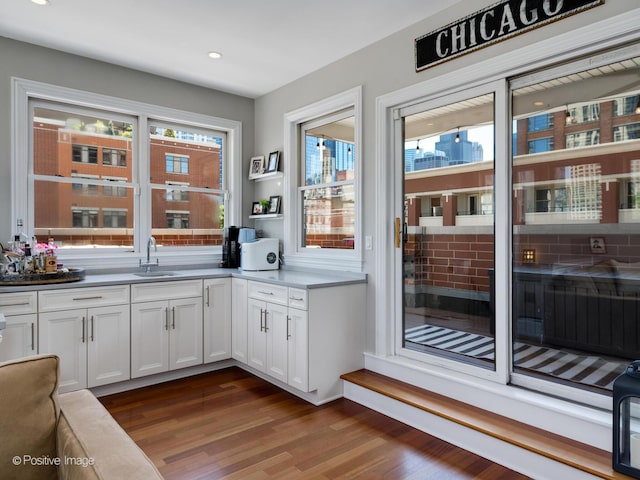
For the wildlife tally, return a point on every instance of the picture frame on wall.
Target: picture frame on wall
(273, 162)
(256, 208)
(256, 166)
(274, 205)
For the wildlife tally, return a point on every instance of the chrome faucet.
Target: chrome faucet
(148, 264)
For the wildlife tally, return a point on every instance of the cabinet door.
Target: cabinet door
(239, 315)
(65, 334)
(298, 349)
(276, 327)
(185, 333)
(256, 336)
(149, 338)
(108, 346)
(217, 319)
(19, 337)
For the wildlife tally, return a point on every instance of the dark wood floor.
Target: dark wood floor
(230, 424)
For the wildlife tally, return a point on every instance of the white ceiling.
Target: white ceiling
(265, 43)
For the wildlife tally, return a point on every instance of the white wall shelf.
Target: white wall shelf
(268, 176)
(267, 216)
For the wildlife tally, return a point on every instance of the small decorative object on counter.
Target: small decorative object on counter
(626, 421)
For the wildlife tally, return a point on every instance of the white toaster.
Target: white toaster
(263, 254)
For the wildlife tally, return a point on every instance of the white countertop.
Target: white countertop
(292, 278)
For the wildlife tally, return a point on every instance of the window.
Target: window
(447, 252)
(626, 132)
(115, 158)
(84, 154)
(194, 156)
(540, 122)
(328, 201)
(626, 105)
(575, 304)
(86, 176)
(583, 139)
(541, 145)
(323, 224)
(177, 164)
(584, 113)
(114, 218)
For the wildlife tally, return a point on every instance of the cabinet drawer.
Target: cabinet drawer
(268, 292)
(298, 298)
(18, 303)
(148, 292)
(69, 298)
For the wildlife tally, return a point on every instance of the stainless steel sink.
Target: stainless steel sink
(158, 273)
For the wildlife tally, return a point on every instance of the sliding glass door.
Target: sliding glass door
(448, 230)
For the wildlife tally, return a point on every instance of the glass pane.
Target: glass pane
(93, 151)
(184, 159)
(576, 265)
(329, 167)
(182, 218)
(67, 143)
(448, 232)
(187, 156)
(84, 214)
(329, 217)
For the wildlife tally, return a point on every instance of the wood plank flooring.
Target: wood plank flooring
(230, 424)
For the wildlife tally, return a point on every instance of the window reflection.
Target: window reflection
(448, 246)
(328, 175)
(576, 307)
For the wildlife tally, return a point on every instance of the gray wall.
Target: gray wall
(382, 68)
(36, 63)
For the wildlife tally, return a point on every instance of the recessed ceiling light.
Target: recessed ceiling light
(40, 2)
(538, 103)
(215, 55)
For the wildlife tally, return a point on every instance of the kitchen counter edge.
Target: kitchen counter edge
(290, 278)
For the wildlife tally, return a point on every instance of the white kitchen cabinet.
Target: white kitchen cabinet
(306, 338)
(239, 316)
(165, 334)
(89, 329)
(267, 338)
(20, 337)
(277, 337)
(217, 319)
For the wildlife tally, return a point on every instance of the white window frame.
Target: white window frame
(23, 91)
(295, 255)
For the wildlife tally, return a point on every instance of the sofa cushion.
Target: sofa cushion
(28, 418)
(89, 433)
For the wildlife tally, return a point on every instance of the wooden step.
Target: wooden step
(561, 449)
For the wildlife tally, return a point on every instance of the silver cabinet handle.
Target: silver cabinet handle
(288, 332)
(266, 329)
(33, 336)
(87, 298)
(84, 319)
(261, 316)
(265, 293)
(208, 296)
(92, 328)
(173, 317)
(166, 318)
(296, 299)
(14, 304)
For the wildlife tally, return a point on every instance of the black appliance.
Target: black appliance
(230, 248)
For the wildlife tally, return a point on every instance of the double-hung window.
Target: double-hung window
(99, 175)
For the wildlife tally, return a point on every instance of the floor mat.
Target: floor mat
(586, 369)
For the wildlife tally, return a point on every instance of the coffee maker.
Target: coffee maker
(230, 248)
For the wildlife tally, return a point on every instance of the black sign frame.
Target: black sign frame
(490, 25)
